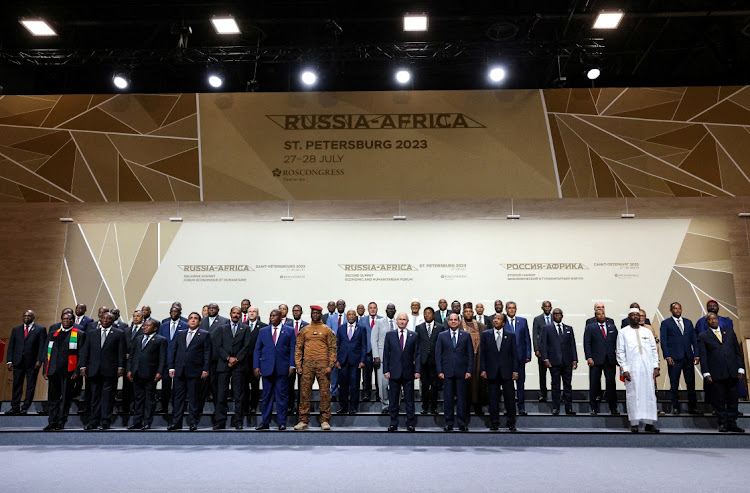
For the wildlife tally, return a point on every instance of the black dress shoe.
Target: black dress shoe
(12, 412)
(555, 412)
(385, 411)
(23, 412)
(675, 411)
(651, 429)
(342, 411)
(570, 412)
(448, 428)
(173, 427)
(262, 426)
(512, 428)
(723, 429)
(252, 411)
(542, 399)
(135, 426)
(392, 428)
(49, 427)
(423, 411)
(735, 429)
(634, 428)
(161, 410)
(410, 429)
(614, 413)
(366, 398)
(146, 428)
(219, 427)
(593, 413)
(694, 411)
(103, 427)
(59, 426)
(494, 428)
(463, 428)
(522, 412)
(193, 428)
(352, 412)
(238, 427)
(282, 427)
(90, 427)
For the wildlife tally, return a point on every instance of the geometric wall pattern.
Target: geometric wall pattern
(99, 148)
(651, 142)
(112, 264)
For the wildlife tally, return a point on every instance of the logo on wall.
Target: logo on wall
(216, 268)
(545, 266)
(372, 121)
(377, 267)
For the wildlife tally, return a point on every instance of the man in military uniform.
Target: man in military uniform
(314, 357)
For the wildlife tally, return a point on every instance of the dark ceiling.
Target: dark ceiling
(356, 45)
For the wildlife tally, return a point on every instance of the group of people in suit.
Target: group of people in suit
(473, 358)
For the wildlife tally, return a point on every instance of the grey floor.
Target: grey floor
(360, 469)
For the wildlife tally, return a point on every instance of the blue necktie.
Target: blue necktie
(143, 344)
(455, 338)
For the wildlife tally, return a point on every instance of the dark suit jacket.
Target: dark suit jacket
(190, 361)
(147, 362)
(678, 345)
(302, 323)
(596, 347)
(351, 351)
(559, 352)
(63, 352)
(218, 322)
(721, 359)
(104, 360)
(498, 364)
(274, 359)
(119, 324)
(608, 320)
(168, 319)
(24, 353)
(523, 339)
(427, 344)
(237, 346)
(254, 336)
(324, 318)
(626, 322)
(85, 322)
(538, 327)
(164, 331)
(130, 336)
(401, 364)
(439, 318)
(454, 362)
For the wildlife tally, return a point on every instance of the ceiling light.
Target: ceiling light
(415, 22)
(225, 25)
(593, 73)
(121, 81)
(497, 74)
(403, 76)
(215, 80)
(608, 20)
(38, 27)
(309, 77)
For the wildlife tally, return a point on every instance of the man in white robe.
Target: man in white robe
(639, 362)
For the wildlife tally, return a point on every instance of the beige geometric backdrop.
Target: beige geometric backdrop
(99, 148)
(651, 142)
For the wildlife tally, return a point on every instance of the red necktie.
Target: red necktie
(25, 331)
(340, 319)
(244, 318)
(296, 328)
(274, 336)
(604, 332)
(372, 322)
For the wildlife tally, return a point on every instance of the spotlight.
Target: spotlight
(309, 77)
(403, 76)
(497, 74)
(121, 81)
(415, 22)
(593, 73)
(215, 80)
(225, 25)
(38, 27)
(608, 20)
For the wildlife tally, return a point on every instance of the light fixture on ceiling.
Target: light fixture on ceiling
(593, 73)
(415, 22)
(608, 19)
(121, 80)
(38, 27)
(403, 76)
(496, 74)
(225, 25)
(309, 77)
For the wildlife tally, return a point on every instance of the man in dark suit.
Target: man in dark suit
(274, 360)
(454, 358)
(679, 345)
(146, 311)
(441, 315)
(169, 330)
(234, 356)
(297, 324)
(401, 366)
(561, 357)
(81, 319)
(539, 322)
(626, 321)
(331, 310)
(131, 334)
(177, 305)
(599, 346)
(189, 365)
(368, 323)
(211, 324)
(428, 335)
(722, 364)
(61, 371)
(145, 367)
(351, 341)
(26, 353)
(284, 309)
(499, 365)
(118, 324)
(102, 362)
(519, 326)
(599, 306)
(481, 317)
(252, 396)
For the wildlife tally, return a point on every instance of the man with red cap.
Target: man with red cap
(314, 357)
